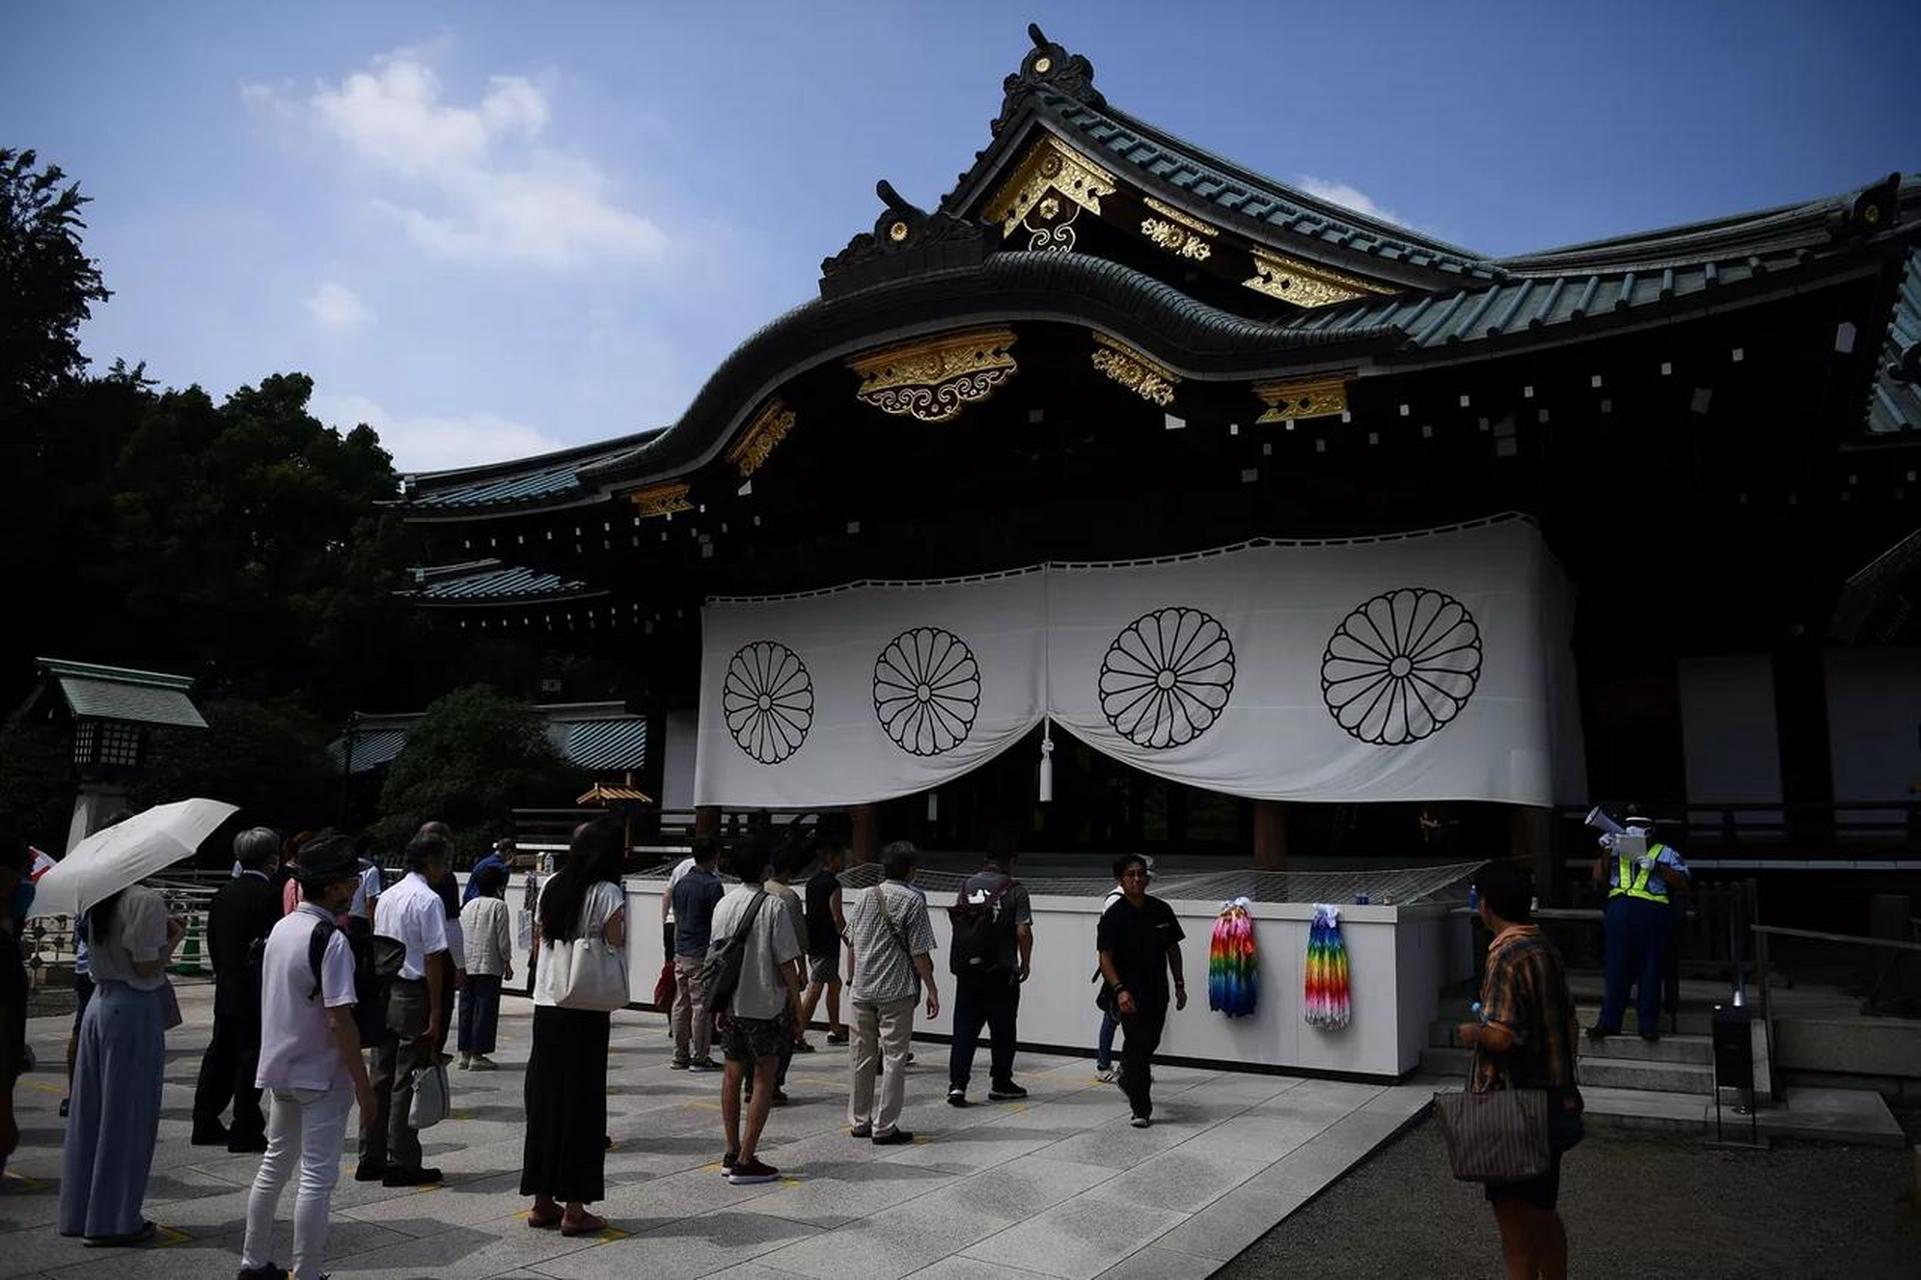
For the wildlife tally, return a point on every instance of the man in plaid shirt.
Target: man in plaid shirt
(1525, 1040)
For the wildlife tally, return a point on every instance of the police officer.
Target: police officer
(1638, 923)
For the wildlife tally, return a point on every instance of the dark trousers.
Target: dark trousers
(479, 1013)
(1104, 1044)
(1638, 936)
(1143, 1032)
(991, 1000)
(226, 1075)
(390, 1140)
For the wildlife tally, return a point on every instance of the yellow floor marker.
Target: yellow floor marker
(167, 1237)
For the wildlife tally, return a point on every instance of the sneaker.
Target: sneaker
(1106, 1075)
(780, 1098)
(678, 1064)
(464, 1063)
(727, 1162)
(265, 1271)
(837, 1037)
(893, 1138)
(481, 1062)
(861, 1131)
(64, 1104)
(410, 1177)
(1597, 1034)
(803, 1046)
(1140, 1122)
(747, 1173)
(1006, 1091)
(141, 1235)
(703, 1064)
(957, 1097)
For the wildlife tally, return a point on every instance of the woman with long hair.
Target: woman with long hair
(564, 1156)
(117, 1073)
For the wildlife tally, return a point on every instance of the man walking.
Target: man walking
(826, 930)
(1525, 1040)
(412, 914)
(310, 1061)
(695, 898)
(892, 941)
(243, 911)
(1140, 945)
(993, 947)
(756, 1019)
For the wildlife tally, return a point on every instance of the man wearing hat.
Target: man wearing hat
(310, 1060)
(1638, 922)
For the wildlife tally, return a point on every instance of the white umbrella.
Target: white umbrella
(128, 852)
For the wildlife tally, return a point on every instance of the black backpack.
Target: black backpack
(720, 971)
(377, 962)
(981, 931)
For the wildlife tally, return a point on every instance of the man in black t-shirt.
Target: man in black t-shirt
(826, 927)
(1139, 941)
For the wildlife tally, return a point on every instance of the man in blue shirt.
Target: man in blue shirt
(502, 857)
(1638, 922)
(695, 898)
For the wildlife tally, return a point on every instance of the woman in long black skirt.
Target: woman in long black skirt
(564, 1157)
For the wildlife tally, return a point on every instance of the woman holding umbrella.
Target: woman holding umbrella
(117, 1073)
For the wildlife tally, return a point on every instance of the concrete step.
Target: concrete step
(1697, 1017)
(1611, 1073)
(1852, 1116)
(1687, 1050)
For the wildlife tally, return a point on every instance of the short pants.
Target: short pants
(1542, 1192)
(751, 1039)
(824, 969)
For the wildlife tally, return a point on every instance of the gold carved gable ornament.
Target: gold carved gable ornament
(1291, 399)
(1304, 284)
(1144, 376)
(755, 444)
(1047, 192)
(662, 499)
(933, 379)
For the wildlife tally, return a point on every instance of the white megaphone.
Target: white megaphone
(1598, 818)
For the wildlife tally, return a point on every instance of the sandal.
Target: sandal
(544, 1222)
(585, 1225)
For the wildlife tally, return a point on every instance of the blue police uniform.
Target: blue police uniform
(1638, 923)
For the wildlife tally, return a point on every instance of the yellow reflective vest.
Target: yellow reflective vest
(1631, 878)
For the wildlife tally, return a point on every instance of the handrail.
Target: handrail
(1893, 943)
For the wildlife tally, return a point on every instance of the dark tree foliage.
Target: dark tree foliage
(47, 282)
(36, 788)
(468, 762)
(270, 760)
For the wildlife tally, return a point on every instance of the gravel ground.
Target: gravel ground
(1805, 1211)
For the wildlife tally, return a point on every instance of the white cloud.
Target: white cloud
(475, 181)
(1348, 197)
(436, 442)
(336, 308)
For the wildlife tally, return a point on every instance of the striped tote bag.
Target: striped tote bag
(1498, 1136)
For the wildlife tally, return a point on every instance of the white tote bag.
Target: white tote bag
(588, 972)
(432, 1098)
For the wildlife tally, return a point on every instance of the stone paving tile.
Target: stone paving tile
(683, 1249)
(830, 1194)
(1077, 1240)
(963, 1268)
(1178, 1180)
(888, 1245)
(1232, 1223)
(1155, 1263)
(1023, 1187)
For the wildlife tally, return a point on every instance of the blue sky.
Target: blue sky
(495, 228)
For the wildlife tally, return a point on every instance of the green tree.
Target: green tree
(470, 760)
(270, 760)
(47, 282)
(36, 781)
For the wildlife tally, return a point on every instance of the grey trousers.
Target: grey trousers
(882, 1034)
(115, 1112)
(390, 1140)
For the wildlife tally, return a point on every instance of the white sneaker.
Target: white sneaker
(1107, 1075)
(1140, 1122)
(465, 1062)
(481, 1062)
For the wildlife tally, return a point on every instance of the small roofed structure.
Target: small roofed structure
(598, 737)
(111, 710)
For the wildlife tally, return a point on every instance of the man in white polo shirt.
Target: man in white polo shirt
(310, 1061)
(412, 914)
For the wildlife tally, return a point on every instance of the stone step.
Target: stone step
(1685, 1049)
(1697, 1016)
(1613, 1073)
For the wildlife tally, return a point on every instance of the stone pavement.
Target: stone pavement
(1057, 1186)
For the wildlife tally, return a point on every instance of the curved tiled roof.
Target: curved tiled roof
(1894, 403)
(544, 478)
(488, 582)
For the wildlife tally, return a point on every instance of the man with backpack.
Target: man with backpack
(993, 946)
(753, 985)
(310, 1059)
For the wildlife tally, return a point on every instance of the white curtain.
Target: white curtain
(1422, 667)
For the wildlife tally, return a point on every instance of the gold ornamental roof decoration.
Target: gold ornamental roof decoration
(1139, 373)
(1304, 284)
(1047, 191)
(1177, 232)
(933, 379)
(769, 427)
(662, 499)
(1289, 399)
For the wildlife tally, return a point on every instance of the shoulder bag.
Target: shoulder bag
(589, 972)
(720, 970)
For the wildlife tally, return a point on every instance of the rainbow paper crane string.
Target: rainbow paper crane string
(1326, 994)
(1233, 968)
